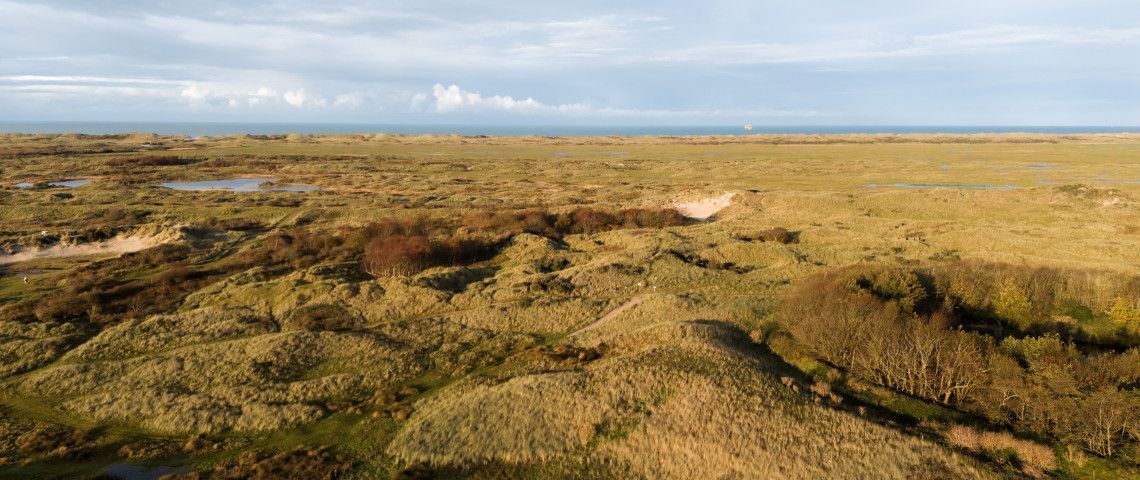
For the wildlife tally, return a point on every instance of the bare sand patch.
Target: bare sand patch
(704, 208)
(116, 246)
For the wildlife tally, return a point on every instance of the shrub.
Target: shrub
(1033, 458)
(322, 317)
(776, 234)
(152, 161)
(578, 221)
(397, 255)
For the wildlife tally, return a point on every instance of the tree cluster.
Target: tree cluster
(903, 329)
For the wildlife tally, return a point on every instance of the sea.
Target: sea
(195, 129)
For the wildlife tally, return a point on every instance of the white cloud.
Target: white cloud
(86, 90)
(298, 98)
(418, 100)
(453, 99)
(262, 95)
(295, 98)
(87, 79)
(233, 93)
(971, 41)
(347, 100)
(195, 93)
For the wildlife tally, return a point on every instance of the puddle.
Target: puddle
(1040, 167)
(238, 185)
(1118, 182)
(62, 183)
(139, 472)
(561, 154)
(973, 186)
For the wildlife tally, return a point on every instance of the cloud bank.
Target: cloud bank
(879, 62)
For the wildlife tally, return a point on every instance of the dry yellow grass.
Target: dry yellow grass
(679, 400)
(27, 346)
(1037, 459)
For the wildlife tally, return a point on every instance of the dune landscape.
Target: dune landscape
(505, 312)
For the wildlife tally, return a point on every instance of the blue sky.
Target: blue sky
(805, 62)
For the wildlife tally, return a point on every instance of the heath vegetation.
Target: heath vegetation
(534, 307)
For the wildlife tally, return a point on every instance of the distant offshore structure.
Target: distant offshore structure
(747, 127)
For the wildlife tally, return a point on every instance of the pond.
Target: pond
(62, 183)
(972, 186)
(140, 472)
(239, 185)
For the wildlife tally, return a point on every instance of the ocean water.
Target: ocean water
(211, 129)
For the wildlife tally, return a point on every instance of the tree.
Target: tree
(1107, 415)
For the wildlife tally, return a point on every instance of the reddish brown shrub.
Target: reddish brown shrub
(152, 161)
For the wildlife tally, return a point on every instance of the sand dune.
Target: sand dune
(117, 246)
(704, 208)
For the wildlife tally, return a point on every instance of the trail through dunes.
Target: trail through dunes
(614, 313)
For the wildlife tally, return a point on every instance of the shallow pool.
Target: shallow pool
(239, 185)
(62, 183)
(974, 186)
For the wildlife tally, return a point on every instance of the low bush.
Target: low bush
(578, 221)
(776, 234)
(1034, 459)
(322, 317)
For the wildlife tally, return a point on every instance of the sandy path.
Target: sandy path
(117, 246)
(704, 208)
(615, 312)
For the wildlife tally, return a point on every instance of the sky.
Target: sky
(766, 62)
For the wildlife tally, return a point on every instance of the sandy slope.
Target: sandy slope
(704, 208)
(117, 246)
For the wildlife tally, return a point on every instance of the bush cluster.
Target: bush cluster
(578, 221)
